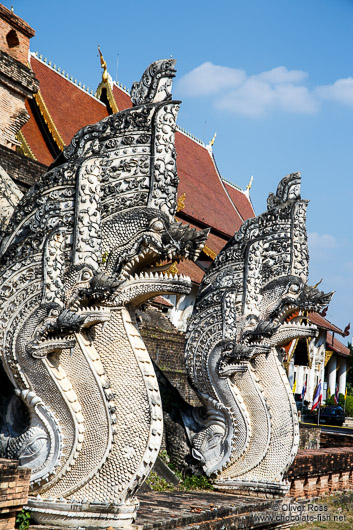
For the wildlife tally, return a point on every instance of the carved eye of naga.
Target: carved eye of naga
(85, 275)
(251, 321)
(294, 288)
(157, 225)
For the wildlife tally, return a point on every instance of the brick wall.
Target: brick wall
(309, 437)
(331, 439)
(22, 170)
(320, 471)
(17, 44)
(165, 344)
(166, 348)
(14, 486)
(17, 82)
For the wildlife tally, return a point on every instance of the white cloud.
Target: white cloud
(254, 95)
(209, 78)
(321, 244)
(341, 91)
(324, 241)
(282, 75)
(278, 89)
(257, 97)
(292, 98)
(251, 99)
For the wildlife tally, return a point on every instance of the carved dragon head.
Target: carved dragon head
(262, 274)
(103, 219)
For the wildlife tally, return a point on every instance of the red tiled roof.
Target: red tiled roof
(205, 196)
(189, 268)
(240, 201)
(70, 107)
(162, 301)
(321, 322)
(35, 139)
(216, 243)
(122, 99)
(333, 344)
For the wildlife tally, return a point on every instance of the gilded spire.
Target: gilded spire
(213, 139)
(248, 187)
(104, 66)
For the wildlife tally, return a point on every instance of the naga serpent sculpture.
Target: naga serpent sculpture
(250, 303)
(82, 406)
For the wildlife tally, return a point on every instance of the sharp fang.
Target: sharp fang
(104, 326)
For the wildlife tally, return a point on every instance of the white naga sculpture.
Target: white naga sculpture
(250, 303)
(81, 404)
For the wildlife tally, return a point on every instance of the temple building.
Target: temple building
(37, 121)
(321, 359)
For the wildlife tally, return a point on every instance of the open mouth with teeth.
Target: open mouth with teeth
(149, 272)
(292, 324)
(183, 243)
(59, 334)
(141, 277)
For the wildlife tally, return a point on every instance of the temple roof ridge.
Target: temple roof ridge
(191, 136)
(235, 186)
(325, 323)
(122, 87)
(65, 75)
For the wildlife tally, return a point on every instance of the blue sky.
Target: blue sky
(273, 78)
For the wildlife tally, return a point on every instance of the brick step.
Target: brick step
(205, 511)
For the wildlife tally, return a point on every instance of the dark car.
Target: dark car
(332, 415)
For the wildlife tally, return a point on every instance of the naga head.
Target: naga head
(103, 218)
(155, 84)
(272, 300)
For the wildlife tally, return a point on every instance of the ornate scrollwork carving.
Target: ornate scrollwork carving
(79, 253)
(247, 433)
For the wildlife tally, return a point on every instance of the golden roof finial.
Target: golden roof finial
(248, 187)
(213, 139)
(104, 66)
(318, 283)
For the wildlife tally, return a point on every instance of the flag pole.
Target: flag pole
(318, 414)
